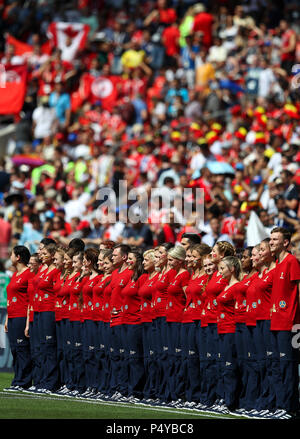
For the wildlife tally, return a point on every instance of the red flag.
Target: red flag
(20, 48)
(24, 49)
(96, 88)
(104, 89)
(12, 88)
(69, 37)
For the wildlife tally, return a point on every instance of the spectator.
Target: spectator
(60, 101)
(215, 234)
(203, 21)
(5, 236)
(32, 234)
(44, 120)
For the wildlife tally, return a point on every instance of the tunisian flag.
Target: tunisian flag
(69, 37)
(96, 88)
(12, 88)
(24, 49)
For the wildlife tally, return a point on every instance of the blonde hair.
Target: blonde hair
(225, 248)
(177, 252)
(235, 263)
(150, 253)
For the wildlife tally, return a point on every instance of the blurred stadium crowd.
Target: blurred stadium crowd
(164, 94)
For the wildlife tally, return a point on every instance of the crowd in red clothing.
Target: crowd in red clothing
(165, 95)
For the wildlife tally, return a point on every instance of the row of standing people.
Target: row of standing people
(185, 325)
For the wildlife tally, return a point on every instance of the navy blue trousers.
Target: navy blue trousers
(48, 350)
(189, 376)
(60, 351)
(102, 360)
(174, 360)
(212, 374)
(67, 346)
(241, 351)
(89, 328)
(20, 349)
(119, 376)
(264, 355)
(228, 368)
(134, 359)
(285, 376)
(78, 365)
(252, 399)
(35, 350)
(161, 356)
(149, 339)
(201, 340)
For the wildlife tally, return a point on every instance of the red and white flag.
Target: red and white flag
(96, 88)
(12, 88)
(20, 48)
(24, 49)
(69, 37)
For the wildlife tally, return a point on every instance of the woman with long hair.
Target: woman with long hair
(230, 268)
(101, 310)
(108, 268)
(166, 274)
(191, 321)
(63, 298)
(15, 323)
(76, 333)
(249, 273)
(149, 329)
(46, 325)
(131, 336)
(209, 268)
(33, 265)
(59, 320)
(253, 391)
(176, 300)
(213, 288)
(90, 264)
(35, 316)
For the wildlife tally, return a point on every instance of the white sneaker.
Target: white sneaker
(281, 414)
(133, 400)
(31, 389)
(12, 389)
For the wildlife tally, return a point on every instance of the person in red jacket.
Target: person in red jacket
(59, 264)
(63, 299)
(285, 319)
(100, 305)
(46, 324)
(120, 278)
(191, 321)
(252, 395)
(209, 268)
(176, 300)
(213, 288)
(33, 265)
(90, 263)
(231, 269)
(241, 329)
(264, 283)
(108, 268)
(131, 332)
(159, 298)
(75, 284)
(149, 329)
(35, 315)
(203, 21)
(15, 323)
